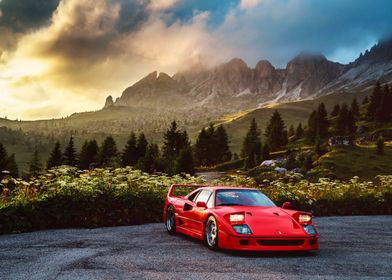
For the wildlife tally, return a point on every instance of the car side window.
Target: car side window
(209, 201)
(203, 196)
(193, 196)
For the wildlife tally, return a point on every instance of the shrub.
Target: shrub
(66, 197)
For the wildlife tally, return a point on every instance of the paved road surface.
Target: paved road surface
(351, 248)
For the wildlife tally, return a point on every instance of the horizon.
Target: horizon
(66, 56)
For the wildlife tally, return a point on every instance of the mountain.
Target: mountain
(360, 75)
(235, 86)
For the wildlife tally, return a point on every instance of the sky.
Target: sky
(58, 57)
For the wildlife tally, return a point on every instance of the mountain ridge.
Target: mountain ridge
(236, 86)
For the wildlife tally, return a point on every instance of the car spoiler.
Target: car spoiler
(174, 186)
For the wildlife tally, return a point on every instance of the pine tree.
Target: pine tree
(88, 155)
(212, 153)
(335, 110)
(129, 156)
(383, 113)
(3, 160)
(341, 122)
(70, 157)
(275, 133)
(266, 152)
(141, 146)
(251, 147)
(299, 131)
(56, 157)
(35, 166)
(322, 121)
(108, 153)
(291, 161)
(202, 148)
(350, 124)
(150, 162)
(291, 131)
(222, 145)
(355, 109)
(311, 132)
(184, 162)
(365, 100)
(380, 146)
(375, 100)
(308, 162)
(12, 167)
(173, 141)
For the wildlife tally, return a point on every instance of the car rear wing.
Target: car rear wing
(173, 188)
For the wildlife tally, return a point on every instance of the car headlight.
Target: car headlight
(234, 218)
(242, 229)
(309, 229)
(304, 218)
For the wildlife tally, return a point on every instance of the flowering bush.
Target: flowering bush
(67, 197)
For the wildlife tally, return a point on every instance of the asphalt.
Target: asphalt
(350, 248)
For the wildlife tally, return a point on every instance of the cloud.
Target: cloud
(62, 56)
(95, 47)
(247, 4)
(279, 29)
(27, 14)
(159, 5)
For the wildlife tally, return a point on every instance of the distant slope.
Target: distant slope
(292, 113)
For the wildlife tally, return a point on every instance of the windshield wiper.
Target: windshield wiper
(230, 204)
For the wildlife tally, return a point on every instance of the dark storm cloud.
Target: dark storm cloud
(132, 15)
(23, 15)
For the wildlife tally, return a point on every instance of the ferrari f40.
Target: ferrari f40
(238, 218)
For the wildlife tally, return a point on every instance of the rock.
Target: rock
(109, 102)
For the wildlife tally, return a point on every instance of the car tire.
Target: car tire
(211, 233)
(170, 222)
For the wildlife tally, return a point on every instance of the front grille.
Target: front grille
(280, 242)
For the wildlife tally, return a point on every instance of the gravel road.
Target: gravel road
(350, 248)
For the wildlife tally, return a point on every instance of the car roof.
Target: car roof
(226, 187)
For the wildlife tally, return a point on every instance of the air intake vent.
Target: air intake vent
(281, 242)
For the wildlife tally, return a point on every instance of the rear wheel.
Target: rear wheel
(211, 233)
(170, 220)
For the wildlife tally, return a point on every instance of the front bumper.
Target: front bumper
(260, 243)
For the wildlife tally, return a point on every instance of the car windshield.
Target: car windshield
(241, 197)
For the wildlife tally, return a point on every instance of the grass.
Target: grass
(362, 161)
(292, 113)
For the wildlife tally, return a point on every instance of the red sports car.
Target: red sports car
(238, 218)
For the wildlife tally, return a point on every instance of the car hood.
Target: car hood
(269, 221)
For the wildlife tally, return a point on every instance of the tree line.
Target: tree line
(212, 145)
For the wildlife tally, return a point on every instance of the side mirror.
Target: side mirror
(201, 204)
(286, 205)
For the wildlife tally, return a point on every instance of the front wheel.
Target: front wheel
(211, 233)
(170, 220)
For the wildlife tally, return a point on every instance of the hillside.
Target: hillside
(346, 162)
(291, 112)
(120, 121)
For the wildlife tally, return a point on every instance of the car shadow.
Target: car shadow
(253, 254)
(270, 254)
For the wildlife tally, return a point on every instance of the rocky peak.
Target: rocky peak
(148, 80)
(109, 102)
(165, 82)
(379, 53)
(264, 69)
(236, 63)
(305, 62)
